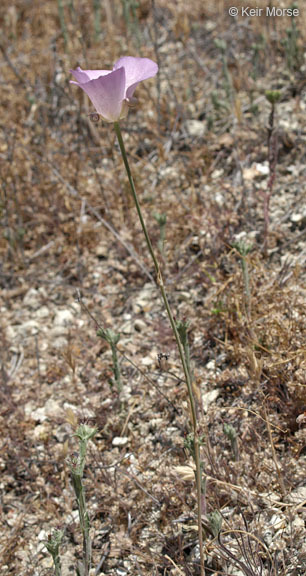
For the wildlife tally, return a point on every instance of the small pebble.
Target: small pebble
(120, 441)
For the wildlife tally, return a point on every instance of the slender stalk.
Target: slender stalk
(160, 283)
(243, 250)
(273, 97)
(116, 368)
(112, 338)
(84, 520)
(76, 465)
(61, 15)
(97, 18)
(53, 544)
(245, 271)
(274, 457)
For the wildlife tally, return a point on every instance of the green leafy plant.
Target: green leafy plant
(290, 43)
(218, 308)
(61, 15)
(112, 338)
(53, 544)
(182, 328)
(231, 434)
(227, 81)
(129, 10)
(215, 522)
(97, 18)
(257, 56)
(77, 464)
(161, 220)
(244, 249)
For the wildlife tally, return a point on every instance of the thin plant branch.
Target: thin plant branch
(160, 283)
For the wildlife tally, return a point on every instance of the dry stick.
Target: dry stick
(134, 479)
(175, 565)
(125, 357)
(156, 50)
(93, 211)
(128, 248)
(150, 380)
(274, 457)
(160, 283)
(12, 67)
(272, 157)
(247, 570)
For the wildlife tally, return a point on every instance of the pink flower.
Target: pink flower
(111, 91)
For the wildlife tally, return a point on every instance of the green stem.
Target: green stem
(160, 283)
(116, 368)
(57, 567)
(245, 271)
(84, 520)
(61, 15)
(57, 564)
(129, 174)
(53, 544)
(97, 18)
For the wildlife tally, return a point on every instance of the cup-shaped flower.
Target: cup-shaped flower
(111, 91)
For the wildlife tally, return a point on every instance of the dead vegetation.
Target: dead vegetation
(199, 152)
